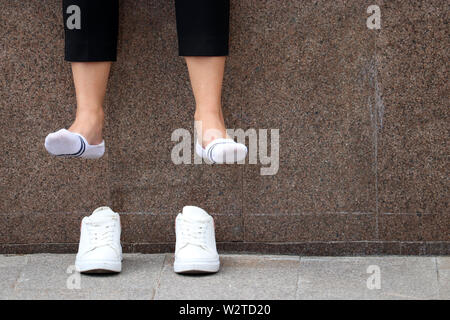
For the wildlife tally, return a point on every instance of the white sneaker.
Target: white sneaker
(195, 250)
(100, 249)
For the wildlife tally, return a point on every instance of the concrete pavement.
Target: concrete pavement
(150, 276)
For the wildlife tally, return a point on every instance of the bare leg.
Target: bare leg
(206, 74)
(91, 79)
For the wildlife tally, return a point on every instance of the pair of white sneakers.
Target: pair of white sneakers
(100, 250)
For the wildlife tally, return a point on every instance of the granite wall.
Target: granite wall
(362, 114)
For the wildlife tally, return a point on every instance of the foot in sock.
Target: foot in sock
(216, 146)
(99, 250)
(195, 250)
(64, 143)
(222, 151)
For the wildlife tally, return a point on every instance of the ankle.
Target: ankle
(90, 125)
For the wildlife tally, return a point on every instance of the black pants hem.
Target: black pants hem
(203, 47)
(80, 53)
(202, 27)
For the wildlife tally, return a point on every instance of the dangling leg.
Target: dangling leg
(203, 30)
(90, 45)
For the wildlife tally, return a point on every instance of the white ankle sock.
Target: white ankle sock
(222, 151)
(64, 143)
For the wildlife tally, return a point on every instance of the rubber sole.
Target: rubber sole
(196, 267)
(98, 266)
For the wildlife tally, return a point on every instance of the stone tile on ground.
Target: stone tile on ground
(443, 266)
(240, 277)
(47, 277)
(347, 277)
(10, 268)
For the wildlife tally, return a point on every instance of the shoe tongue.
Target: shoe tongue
(195, 213)
(103, 212)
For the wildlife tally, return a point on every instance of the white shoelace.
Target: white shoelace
(194, 233)
(101, 234)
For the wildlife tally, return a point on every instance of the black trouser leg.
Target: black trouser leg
(91, 28)
(203, 27)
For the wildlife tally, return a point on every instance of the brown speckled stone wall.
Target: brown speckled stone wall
(362, 114)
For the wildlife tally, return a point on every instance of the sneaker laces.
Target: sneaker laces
(194, 233)
(101, 233)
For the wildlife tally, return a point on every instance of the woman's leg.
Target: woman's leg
(90, 45)
(206, 74)
(203, 28)
(90, 80)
